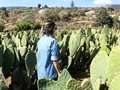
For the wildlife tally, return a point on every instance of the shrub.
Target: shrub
(28, 18)
(82, 13)
(27, 26)
(63, 15)
(49, 14)
(35, 26)
(23, 26)
(4, 14)
(2, 26)
(103, 18)
(116, 21)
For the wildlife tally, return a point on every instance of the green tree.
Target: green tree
(3, 8)
(45, 6)
(72, 4)
(39, 5)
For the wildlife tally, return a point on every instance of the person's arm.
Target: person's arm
(55, 56)
(56, 65)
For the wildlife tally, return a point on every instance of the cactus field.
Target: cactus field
(95, 51)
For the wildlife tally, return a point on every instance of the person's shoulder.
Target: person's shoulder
(55, 42)
(54, 39)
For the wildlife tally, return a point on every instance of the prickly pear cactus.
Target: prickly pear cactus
(114, 63)
(22, 50)
(24, 39)
(103, 40)
(86, 85)
(99, 69)
(59, 36)
(72, 84)
(105, 49)
(105, 30)
(30, 62)
(70, 60)
(46, 84)
(60, 84)
(7, 41)
(1, 54)
(19, 78)
(74, 42)
(64, 77)
(17, 59)
(64, 50)
(17, 41)
(8, 60)
(115, 83)
(3, 85)
(75, 47)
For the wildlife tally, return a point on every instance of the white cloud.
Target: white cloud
(102, 1)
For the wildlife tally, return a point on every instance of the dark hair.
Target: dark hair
(49, 27)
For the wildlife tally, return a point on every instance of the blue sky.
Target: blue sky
(59, 3)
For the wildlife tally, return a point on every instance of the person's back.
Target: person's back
(48, 53)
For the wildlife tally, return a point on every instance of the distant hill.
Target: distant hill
(12, 7)
(16, 7)
(115, 6)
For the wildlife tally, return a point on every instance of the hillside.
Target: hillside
(65, 18)
(115, 6)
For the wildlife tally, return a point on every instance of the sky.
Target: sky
(58, 3)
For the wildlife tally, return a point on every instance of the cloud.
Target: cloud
(102, 1)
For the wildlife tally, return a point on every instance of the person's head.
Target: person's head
(48, 28)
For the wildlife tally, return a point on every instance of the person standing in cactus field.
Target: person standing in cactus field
(48, 53)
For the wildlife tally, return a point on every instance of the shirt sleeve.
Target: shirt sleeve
(54, 51)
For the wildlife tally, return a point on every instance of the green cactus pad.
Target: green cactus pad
(60, 84)
(72, 84)
(3, 85)
(22, 50)
(8, 60)
(69, 61)
(114, 63)
(74, 42)
(99, 69)
(1, 54)
(30, 62)
(17, 41)
(46, 84)
(24, 39)
(115, 83)
(103, 40)
(86, 85)
(19, 77)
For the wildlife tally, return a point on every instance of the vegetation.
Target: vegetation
(82, 50)
(72, 4)
(2, 26)
(49, 14)
(27, 26)
(64, 15)
(116, 21)
(103, 18)
(39, 5)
